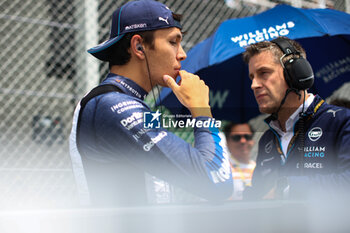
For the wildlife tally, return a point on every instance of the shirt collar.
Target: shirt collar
(128, 86)
(293, 118)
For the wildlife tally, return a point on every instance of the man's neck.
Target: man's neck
(292, 103)
(131, 71)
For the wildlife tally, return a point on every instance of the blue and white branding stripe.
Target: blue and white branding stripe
(77, 163)
(223, 172)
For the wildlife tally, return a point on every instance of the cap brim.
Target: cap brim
(102, 51)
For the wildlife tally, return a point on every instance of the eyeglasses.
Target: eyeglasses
(237, 137)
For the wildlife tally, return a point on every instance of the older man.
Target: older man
(306, 151)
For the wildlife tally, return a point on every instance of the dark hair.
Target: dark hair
(259, 47)
(119, 54)
(227, 129)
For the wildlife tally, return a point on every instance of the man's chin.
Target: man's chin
(162, 83)
(266, 110)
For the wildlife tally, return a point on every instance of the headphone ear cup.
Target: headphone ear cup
(288, 74)
(299, 73)
(287, 77)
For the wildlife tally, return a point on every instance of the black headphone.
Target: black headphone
(297, 70)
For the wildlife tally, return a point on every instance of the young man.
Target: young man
(239, 138)
(126, 161)
(306, 151)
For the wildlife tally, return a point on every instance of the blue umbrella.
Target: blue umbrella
(324, 33)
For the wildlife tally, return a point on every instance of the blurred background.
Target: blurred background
(45, 70)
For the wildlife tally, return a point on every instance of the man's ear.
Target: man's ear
(136, 46)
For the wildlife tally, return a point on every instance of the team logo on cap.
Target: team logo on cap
(315, 133)
(162, 19)
(136, 26)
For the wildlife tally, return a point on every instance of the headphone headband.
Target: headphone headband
(286, 47)
(297, 70)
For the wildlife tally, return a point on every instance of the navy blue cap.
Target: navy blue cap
(135, 16)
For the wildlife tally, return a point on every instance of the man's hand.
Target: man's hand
(191, 92)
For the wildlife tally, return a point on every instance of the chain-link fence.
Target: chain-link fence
(45, 70)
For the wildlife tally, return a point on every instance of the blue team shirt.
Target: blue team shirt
(318, 167)
(118, 153)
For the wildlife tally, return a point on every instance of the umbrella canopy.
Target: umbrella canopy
(324, 33)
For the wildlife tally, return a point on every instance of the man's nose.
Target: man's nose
(181, 55)
(255, 84)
